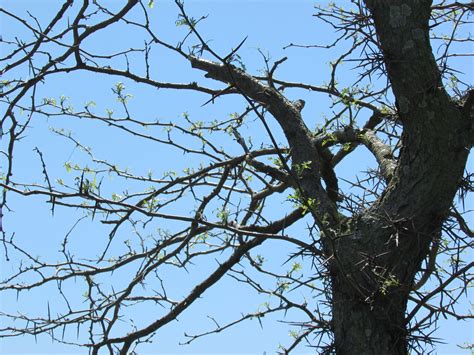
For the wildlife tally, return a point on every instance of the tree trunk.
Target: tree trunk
(376, 255)
(372, 274)
(375, 327)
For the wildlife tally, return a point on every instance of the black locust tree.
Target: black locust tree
(371, 262)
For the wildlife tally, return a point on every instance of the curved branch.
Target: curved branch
(381, 151)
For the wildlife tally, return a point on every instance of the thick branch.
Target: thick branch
(381, 151)
(289, 118)
(434, 132)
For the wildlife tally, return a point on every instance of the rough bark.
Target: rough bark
(380, 251)
(374, 327)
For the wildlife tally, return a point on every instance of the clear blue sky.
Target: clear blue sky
(270, 25)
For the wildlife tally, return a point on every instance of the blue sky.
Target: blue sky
(269, 29)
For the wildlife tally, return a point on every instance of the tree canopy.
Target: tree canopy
(211, 165)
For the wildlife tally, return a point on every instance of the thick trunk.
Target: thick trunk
(435, 133)
(376, 255)
(372, 275)
(363, 327)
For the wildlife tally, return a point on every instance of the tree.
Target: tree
(372, 263)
